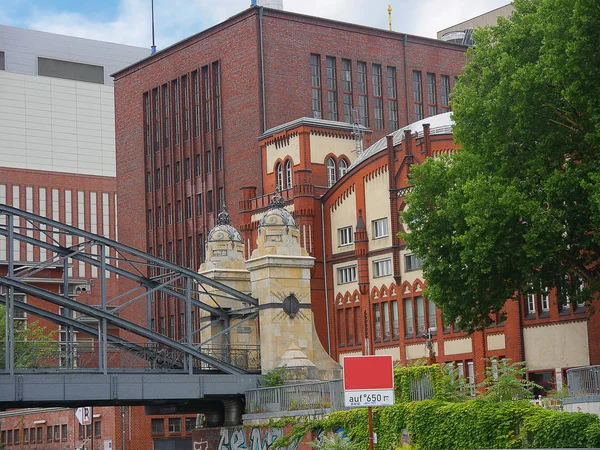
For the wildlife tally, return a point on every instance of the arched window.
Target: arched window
(330, 172)
(279, 175)
(343, 167)
(288, 174)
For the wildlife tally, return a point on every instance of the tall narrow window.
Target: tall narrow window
(206, 95)
(169, 214)
(177, 171)
(198, 163)
(187, 168)
(159, 218)
(417, 95)
(179, 211)
(330, 172)
(362, 94)
(217, 83)
(378, 96)
(166, 118)
(386, 321)
(279, 176)
(531, 303)
(209, 161)
(199, 204)
(221, 192)
(347, 88)
(420, 315)
(209, 201)
(343, 167)
(408, 318)
(431, 97)
(431, 323)
(315, 80)
(147, 134)
(219, 158)
(167, 175)
(545, 302)
(158, 179)
(186, 107)
(395, 325)
(288, 174)
(196, 88)
(188, 207)
(392, 98)
(331, 89)
(175, 85)
(445, 93)
(156, 102)
(377, 314)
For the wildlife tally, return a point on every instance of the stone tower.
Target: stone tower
(280, 276)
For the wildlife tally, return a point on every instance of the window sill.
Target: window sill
(530, 316)
(380, 237)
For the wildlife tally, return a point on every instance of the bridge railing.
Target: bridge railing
(583, 381)
(328, 395)
(51, 355)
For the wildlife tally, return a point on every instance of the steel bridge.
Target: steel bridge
(108, 352)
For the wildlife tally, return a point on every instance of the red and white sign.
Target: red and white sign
(368, 380)
(84, 415)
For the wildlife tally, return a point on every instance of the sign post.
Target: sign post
(369, 381)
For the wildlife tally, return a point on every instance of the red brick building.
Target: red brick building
(188, 118)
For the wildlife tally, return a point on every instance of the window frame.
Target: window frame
(380, 232)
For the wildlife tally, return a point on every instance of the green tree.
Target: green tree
(516, 209)
(506, 381)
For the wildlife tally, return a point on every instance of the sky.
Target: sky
(129, 21)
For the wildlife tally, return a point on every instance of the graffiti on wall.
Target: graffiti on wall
(240, 438)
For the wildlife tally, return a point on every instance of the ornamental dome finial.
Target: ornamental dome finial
(223, 218)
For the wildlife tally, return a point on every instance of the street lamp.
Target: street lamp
(429, 345)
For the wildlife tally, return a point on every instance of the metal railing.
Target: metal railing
(54, 355)
(328, 395)
(583, 381)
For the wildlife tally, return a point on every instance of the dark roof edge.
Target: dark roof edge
(309, 121)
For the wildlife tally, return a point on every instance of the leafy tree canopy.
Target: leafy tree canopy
(516, 209)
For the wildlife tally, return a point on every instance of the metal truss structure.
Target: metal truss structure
(116, 339)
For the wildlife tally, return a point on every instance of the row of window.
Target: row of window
(155, 181)
(174, 425)
(179, 210)
(182, 257)
(381, 268)
(54, 433)
(173, 328)
(360, 113)
(379, 227)
(335, 171)
(165, 105)
(538, 305)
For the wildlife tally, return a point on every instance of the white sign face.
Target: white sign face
(84, 415)
(108, 445)
(373, 397)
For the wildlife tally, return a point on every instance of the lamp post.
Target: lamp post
(429, 345)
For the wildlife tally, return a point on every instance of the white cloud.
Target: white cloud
(177, 19)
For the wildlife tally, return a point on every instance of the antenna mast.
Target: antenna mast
(390, 16)
(153, 43)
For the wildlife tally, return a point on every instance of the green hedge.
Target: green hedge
(475, 424)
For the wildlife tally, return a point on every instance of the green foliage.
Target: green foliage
(453, 386)
(334, 441)
(474, 424)
(517, 208)
(274, 377)
(506, 381)
(404, 375)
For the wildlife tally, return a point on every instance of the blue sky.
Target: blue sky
(128, 21)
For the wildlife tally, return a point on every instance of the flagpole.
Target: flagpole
(153, 43)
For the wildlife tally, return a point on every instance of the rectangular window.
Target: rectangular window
(186, 107)
(331, 89)
(221, 198)
(187, 167)
(57, 433)
(420, 315)
(346, 274)
(179, 211)
(445, 79)
(395, 324)
(377, 315)
(156, 102)
(198, 161)
(347, 87)
(386, 321)
(408, 318)
(217, 83)
(97, 428)
(26, 436)
(167, 175)
(363, 104)
(189, 424)
(188, 207)
(40, 434)
(378, 94)
(166, 118)
(9, 436)
(181, 325)
(158, 179)
(412, 262)
(345, 236)
(2, 67)
(199, 204)
(64, 431)
(208, 161)
(149, 219)
(380, 228)
(431, 322)
(417, 95)
(382, 267)
(147, 131)
(471, 375)
(190, 252)
(148, 181)
(159, 221)
(209, 201)
(18, 436)
(200, 248)
(431, 97)
(177, 171)
(172, 322)
(206, 95)
(175, 85)
(219, 158)
(530, 303)
(340, 329)
(179, 261)
(158, 426)
(68, 70)
(392, 98)
(545, 302)
(196, 88)
(315, 80)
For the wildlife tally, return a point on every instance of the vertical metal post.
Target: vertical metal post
(188, 321)
(103, 300)
(371, 437)
(10, 302)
